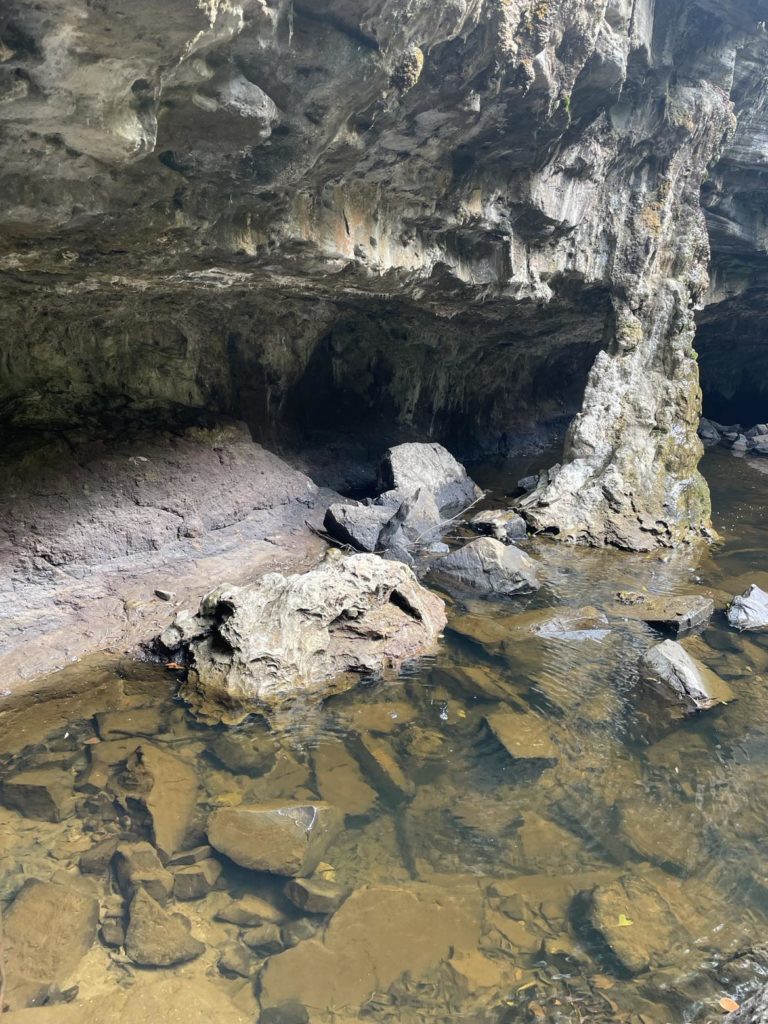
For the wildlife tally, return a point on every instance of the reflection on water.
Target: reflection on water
(528, 835)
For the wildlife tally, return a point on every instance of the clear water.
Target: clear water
(672, 808)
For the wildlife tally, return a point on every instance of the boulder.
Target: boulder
(137, 866)
(493, 568)
(676, 613)
(406, 468)
(669, 667)
(279, 838)
(47, 930)
(357, 525)
(708, 432)
(166, 787)
(194, 881)
(96, 860)
(43, 793)
(315, 895)
(310, 633)
(416, 523)
(501, 524)
(156, 938)
(750, 610)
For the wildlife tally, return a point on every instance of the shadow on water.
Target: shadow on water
(606, 857)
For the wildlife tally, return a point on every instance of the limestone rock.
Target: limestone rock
(669, 667)
(47, 930)
(43, 793)
(315, 896)
(308, 633)
(501, 524)
(524, 737)
(749, 610)
(493, 568)
(407, 468)
(156, 938)
(416, 523)
(279, 838)
(677, 613)
(358, 525)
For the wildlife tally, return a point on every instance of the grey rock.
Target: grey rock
(358, 525)
(527, 483)
(669, 667)
(490, 567)
(279, 838)
(407, 468)
(504, 525)
(308, 633)
(708, 432)
(752, 1011)
(416, 522)
(675, 613)
(156, 938)
(749, 610)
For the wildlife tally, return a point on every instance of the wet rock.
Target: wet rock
(193, 856)
(249, 752)
(236, 959)
(669, 667)
(474, 972)
(315, 896)
(676, 613)
(137, 866)
(339, 780)
(112, 932)
(279, 838)
(572, 624)
(300, 930)
(406, 468)
(195, 881)
(43, 793)
(752, 1011)
(265, 939)
(415, 524)
(47, 930)
(308, 633)
(750, 610)
(637, 923)
(113, 725)
(357, 525)
(501, 524)
(166, 787)
(378, 759)
(156, 938)
(288, 778)
(525, 737)
(490, 567)
(249, 911)
(378, 934)
(96, 860)
(669, 837)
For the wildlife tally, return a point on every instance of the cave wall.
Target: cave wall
(453, 221)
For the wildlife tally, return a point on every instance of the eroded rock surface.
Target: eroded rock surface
(307, 633)
(490, 567)
(749, 610)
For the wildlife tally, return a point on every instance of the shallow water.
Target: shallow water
(621, 877)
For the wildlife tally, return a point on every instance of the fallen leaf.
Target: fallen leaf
(528, 984)
(537, 1010)
(601, 981)
(728, 1004)
(92, 741)
(174, 665)
(624, 921)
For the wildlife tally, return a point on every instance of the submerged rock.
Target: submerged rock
(750, 610)
(676, 613)
(279, 838)
(47, 930)
(309, 633)
(669, 667)
(137, 866)
(525, 737)
(156, 938)
(167, 787)
(265, 939)
(491, 567)
(315, 895)
(339, 780)
(250, 911)
(194, 881)
(43, 793)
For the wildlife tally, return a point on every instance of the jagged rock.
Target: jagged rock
(155, 938)
(280, 838)
(43, 793)
(358, 525)
(408, 468)
(524, 737)
(166, 787)
(750, 610)
(315, 896)
(265, 939)
(752, 1011)
(308, 633)
(416, 523)
(677, 613)
(668, 666)
(501, 524)
(188, 857)
(236, 959)
(96, 860)
(195, 881)
(137, 866)
(47, 930)
(490, 567)
(249, 911)
(708, 432)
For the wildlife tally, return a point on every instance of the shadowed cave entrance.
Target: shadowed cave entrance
(732, 347)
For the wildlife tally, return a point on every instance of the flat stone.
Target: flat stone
(137, 866)
(339, 780)
(194, 856)
(668, 667)
(156, 938)
(236, 959)
(168, 789)
(378, 759)
(663, 835)
(490, 567)
(265, 939)
(279, 838)
(43, 793)
(249, 911)
(357, 525)
(677, 613)
(47, 930)
(114, 725)
(315, 896)
(501, 524)
(195, 881)
(377, 935)
(749, 610)
(525, 737)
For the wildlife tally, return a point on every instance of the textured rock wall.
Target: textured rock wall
(447, 219)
